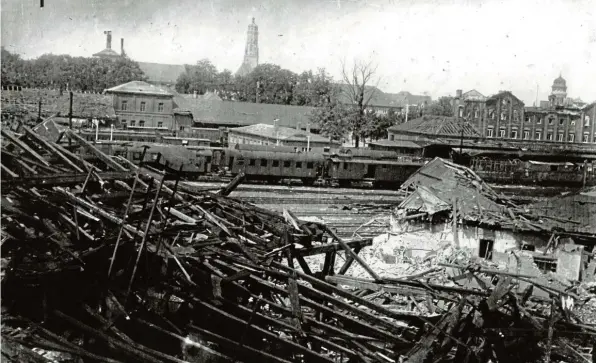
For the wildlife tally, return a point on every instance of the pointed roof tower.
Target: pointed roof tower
(251, 51)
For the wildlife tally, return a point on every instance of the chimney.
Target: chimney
(108, 39)
(458, 93)
(122, 47)
(308, 127)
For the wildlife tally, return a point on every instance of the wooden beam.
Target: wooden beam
(349, 251)
(349, 260)
(48, 146)
(333, 247)
(103, 157)
(24, 146)
(8, 171)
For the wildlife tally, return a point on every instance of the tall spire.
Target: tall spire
(251, 51)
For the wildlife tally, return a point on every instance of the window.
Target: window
(503, 116)
(486, 249)
(345, 165)
(181, 128)
(287, 164)
(160, 107)
(561, 121)
(298, 164)
(572, 122)
(551, 121)
(141, 123)
(275, 163)
(539, 122)
(538, 135)
(549, 136)
(526, 134)
(571, 137)
(587, 120)
(310, 165)
(527, 118)
(391, 137)
(476, 113)
(514, 134)
(515, 115)
(502, 133)
(263, 162)
(123, 122)
(252, 162)
(136, 156)
(132, 123)
(491, 114)
(586, 137)
(560, 138)
(124, 105)
(489, 132)
(143, 106)
(160, 124)
(461, 111)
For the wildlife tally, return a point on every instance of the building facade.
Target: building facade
(139, 105)
(587, 122)
(264, 134)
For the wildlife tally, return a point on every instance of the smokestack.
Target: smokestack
(458, 93)
(108, 39)
(122, 47)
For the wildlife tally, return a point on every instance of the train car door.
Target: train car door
(370, 171)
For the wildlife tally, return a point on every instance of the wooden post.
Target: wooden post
(454, 227)
(70, 117)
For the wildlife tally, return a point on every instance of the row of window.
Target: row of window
(275, 163)
(551, 121)
(538, 135)
(124, 106)
(133, 123)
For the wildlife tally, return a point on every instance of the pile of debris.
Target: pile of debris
(111, 262)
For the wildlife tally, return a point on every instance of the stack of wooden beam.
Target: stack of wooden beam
(113, 262)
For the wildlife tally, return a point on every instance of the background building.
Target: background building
(140, 105)
(263, 134)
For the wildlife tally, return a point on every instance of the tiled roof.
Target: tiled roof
(382, 99)
(437, 126)
(396, 144)
(496, 96)
(139, 87)
(162, 73)
(245, 113)
(281, 133)
(473, 95)
(574, 213)
(107, 53)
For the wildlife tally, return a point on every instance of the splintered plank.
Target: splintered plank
(48, 146)
(317, 250)
(350, 252)
(8, 171)
(25, 147)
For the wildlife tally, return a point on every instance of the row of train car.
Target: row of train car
(343, 166)
(269, 164)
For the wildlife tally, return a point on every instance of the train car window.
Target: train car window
(287, 163)
(275, 163)
(263, 162)
(252, 162)
(310, 165)
(136, 156)
(298, 164)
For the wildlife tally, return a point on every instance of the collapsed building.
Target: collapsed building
(104, 260)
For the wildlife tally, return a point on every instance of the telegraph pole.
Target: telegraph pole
(70, 116)
(39, 111)
(257, 94)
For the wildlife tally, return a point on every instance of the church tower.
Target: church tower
(558, 95)
(251, 52)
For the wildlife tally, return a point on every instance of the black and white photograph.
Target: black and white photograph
(297, 181)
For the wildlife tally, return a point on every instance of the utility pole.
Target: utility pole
(39, 111)
(257, 94)
(70, 117)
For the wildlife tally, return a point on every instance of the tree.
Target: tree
(267, 83)
(442, 107)
(333, 119)
(313, 89)
(376, 127)
(200, 78)
(358, 94)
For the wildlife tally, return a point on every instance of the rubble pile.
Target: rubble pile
(105, 261)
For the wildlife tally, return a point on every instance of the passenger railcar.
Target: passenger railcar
(274, 166)
(382, 173)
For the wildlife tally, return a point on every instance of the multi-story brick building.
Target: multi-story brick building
(139, 105)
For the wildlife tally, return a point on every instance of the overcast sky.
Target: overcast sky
(419, 45)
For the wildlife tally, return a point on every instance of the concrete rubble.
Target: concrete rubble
(112, 262)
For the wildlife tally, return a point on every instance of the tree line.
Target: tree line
(67, 72)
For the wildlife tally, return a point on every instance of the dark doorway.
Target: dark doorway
(486, 249)
(370, 171)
